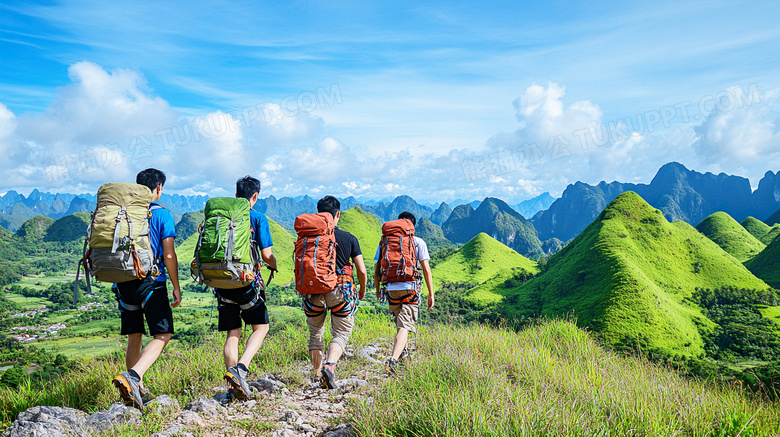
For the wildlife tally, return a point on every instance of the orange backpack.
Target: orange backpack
(315, 254)
(398, 252)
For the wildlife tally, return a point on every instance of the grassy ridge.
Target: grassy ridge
(730, 236)
(551, 379)
(629, 275)
(365, 227)
(479, 260)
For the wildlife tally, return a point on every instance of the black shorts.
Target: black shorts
(157, 310)
(230, 315)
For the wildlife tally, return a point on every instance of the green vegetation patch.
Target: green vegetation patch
(551, 379)
(366, 227)
(628, 275)
(730, 236)
(766, 265)
(480, 259)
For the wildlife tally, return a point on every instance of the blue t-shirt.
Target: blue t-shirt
(161, 226)
(261, 230)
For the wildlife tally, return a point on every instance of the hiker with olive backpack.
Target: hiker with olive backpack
(233, 243)
(400, 258)
(130, 243)
(324, 278)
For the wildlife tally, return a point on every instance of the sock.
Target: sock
(134, 374)
(242, 367)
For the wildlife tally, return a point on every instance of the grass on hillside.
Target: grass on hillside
(730, 236)
(629, 275)
(551, 379)
(479, 260)
(366, 227)
(755, 227)
(190, 373)
(766, 265)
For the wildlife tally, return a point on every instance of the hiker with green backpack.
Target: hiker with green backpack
(324, 277)
(399, 259)
(130, 243)
(234, 241)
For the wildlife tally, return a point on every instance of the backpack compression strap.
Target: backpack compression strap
(122, 213)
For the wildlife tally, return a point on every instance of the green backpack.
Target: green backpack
(226, 256)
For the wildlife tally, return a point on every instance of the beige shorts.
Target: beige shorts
(405, 314)
(340, 327)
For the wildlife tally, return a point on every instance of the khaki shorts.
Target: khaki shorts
(340, 327)
(405, 314)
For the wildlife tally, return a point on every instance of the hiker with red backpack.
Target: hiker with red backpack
(131, 244)
(399, 258)
(324, 277)
(233, 243)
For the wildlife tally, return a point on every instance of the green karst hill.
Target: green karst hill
(773, 219)
(432, 234)
(366, 227)
(730, 236)
(766, 265)
(188, 225)
(69, 228)
(756, 227)
(763, 232)
(629, 275)
(479, 260)
(35, 228)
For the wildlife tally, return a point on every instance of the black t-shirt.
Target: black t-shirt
(347, 248)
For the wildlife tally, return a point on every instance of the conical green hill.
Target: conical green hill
(478, 260)
(284, 246)
(628, 275)
(770, 236)
(766, 265)
(69, 228)
(366, 227)
(756, 227)
(730, 236)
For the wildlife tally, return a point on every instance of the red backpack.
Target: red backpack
(398, 252)
(315, 253)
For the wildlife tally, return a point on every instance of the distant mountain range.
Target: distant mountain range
(681, 194)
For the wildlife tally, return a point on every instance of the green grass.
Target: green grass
(190, 373)
(766, 265)
(366, 227)
(770, 236)
(479, 260)
(730, 236)
(629, 275)
(755, 227)
(550, 380)
(27, 303)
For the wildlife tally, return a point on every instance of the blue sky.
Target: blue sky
(423, 90)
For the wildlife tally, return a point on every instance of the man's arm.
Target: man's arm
(362, 275)
(269, 257)
(172, 265)
(378, 278)
(426, 267)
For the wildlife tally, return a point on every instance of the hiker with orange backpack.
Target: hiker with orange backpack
(324, 278)
(233, 243)
(131, 243)
(399, 258)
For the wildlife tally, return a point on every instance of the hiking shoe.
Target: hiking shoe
(129, 390)
(236, 378)
(328, 379)
(391, 366)
(146, 397)
(404, 355)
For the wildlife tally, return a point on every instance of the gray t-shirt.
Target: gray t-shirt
(422, 255)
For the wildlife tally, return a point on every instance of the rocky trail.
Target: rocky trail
(276, 410)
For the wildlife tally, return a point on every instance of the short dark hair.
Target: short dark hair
(247, 186)
(329, 204)
(409, 216)
(150, 178)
